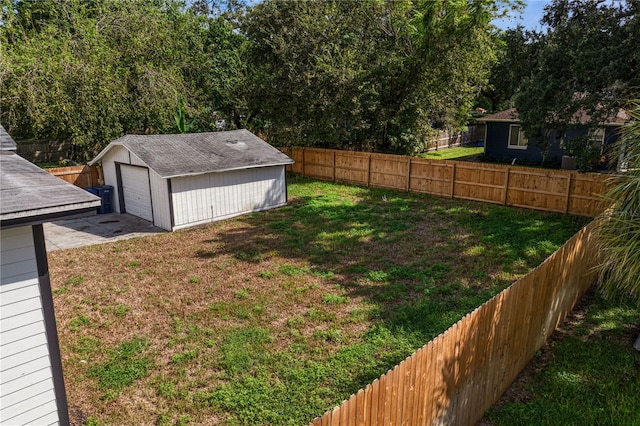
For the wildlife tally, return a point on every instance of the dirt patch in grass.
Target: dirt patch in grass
(275, 317)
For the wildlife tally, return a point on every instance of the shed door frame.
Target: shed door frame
(123, 207)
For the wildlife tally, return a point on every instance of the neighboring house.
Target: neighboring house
(31, 383)
(504, 137)
(177, 181)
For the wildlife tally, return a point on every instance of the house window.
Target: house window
(517, 140)
(597, 139)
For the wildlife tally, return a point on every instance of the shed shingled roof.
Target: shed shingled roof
(27, 191)
(199, 153)
(6, 141)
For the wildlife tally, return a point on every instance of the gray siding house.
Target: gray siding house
(31, 382)
(505, 139)
(183, 180)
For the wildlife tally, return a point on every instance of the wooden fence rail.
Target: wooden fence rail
(542, 189)
(454, 378)
(82, 176)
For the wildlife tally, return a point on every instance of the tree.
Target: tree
(517, 56)
(91, 71)
(619, 230)
(588, 64)
(366, 75)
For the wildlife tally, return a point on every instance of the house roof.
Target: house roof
(581, 117)
(30, 195)
(6, 142)
(199, 153)
(510, 115)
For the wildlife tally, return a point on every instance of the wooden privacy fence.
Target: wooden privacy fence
(43, 151)
(82, 176)
(446, 139)
(542, 189)
(454, 378)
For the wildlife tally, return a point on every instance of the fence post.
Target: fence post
(506, 186)
(369, 171)
(334, 166)
(568, 195)
(302, 162)
(409, 174)
(453, 179)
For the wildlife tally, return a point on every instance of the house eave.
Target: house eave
(35, 217)
(499, 120)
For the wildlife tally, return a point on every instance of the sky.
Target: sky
(530, 18)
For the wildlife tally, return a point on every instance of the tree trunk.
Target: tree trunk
(637, 344)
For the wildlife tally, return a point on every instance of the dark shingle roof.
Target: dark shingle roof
(581, 117)
(506, 115)
(27, 191)
(198, 153)
(6, 142)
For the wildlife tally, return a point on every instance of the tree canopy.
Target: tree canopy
(517, 55)
(368, 75)
(372, 75)
(587, 63)
(90, 71)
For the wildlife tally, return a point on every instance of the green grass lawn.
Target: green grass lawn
(276, 317)
(589, 373)
(452, 153)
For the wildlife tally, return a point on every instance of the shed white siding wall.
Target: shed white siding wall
(26, 381)
(215, 196)
(117, 154)
(160, 200)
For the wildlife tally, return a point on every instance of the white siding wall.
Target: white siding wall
(216, 196)
(115, 154)
(26, 383)
(160, 199)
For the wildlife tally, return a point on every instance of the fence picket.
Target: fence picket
(360, 409)
(386, 398)
(408, 389)
(418, 395)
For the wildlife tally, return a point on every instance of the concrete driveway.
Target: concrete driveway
(98, 229)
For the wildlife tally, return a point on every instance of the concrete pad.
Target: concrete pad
(98, 229)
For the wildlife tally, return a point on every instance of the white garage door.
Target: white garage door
(136, 192)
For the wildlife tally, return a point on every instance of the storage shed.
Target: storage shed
(31, 382)
(177, 181)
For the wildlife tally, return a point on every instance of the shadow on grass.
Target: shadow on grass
(419, 263)
(400, 250)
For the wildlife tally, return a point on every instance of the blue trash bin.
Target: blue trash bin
(105, 192)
